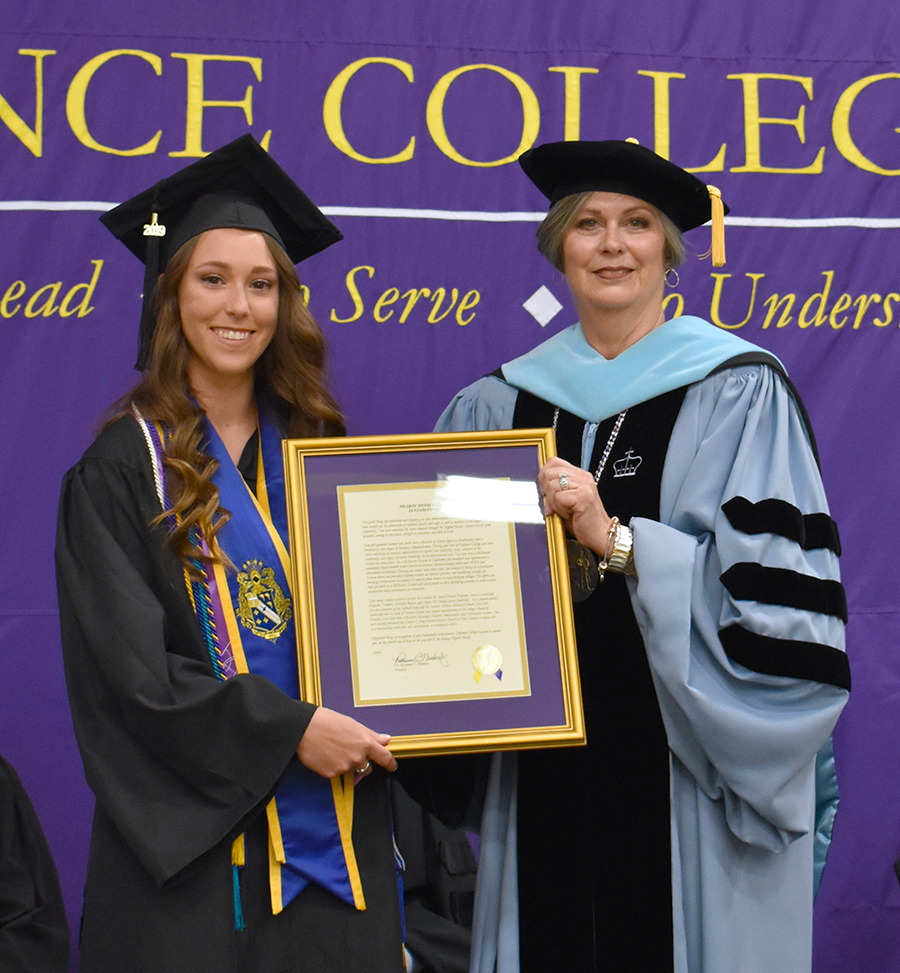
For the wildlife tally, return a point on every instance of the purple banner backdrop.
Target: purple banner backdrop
(402, 121)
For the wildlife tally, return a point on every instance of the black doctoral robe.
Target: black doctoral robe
(596, 893)
(181, 762)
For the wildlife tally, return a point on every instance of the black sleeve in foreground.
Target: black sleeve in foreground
(34, 933)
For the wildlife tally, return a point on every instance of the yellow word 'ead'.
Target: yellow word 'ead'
(49, 300)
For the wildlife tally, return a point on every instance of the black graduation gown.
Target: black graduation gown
(34, 933)
(181, 762)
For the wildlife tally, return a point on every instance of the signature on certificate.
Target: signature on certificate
(404, 661)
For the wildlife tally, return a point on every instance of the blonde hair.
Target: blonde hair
(551, 233)
(289, 376)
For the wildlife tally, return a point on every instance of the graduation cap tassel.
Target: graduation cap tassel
(718, 226)
(154, 231)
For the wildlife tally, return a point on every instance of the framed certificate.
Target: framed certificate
(431, 594)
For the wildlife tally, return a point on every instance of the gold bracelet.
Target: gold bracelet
(611, 536)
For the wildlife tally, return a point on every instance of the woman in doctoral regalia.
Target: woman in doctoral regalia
(709, 614)
(236, 827)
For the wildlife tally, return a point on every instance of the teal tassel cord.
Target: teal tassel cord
(238, 911)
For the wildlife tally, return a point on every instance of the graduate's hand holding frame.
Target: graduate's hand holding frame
(334, 744)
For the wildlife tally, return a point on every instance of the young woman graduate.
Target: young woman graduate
(236, 828)
(709, 618)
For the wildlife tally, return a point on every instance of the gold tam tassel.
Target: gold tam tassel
(718, 226)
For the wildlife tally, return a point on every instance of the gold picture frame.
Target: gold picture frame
(431, 594)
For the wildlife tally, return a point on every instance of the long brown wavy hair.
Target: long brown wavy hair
(289, 377)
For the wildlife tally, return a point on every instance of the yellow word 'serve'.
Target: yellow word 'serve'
(432, 304)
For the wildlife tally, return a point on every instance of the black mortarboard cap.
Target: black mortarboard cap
(239, 185)
(560, 169)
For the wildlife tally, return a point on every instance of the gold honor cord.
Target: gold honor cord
(342, 789)
(231, 623)
(276, 856)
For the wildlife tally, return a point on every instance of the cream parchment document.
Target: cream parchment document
(434, 603)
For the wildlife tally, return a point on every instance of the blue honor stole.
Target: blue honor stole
(247, 620)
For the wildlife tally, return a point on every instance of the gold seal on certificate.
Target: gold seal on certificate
(487, 661)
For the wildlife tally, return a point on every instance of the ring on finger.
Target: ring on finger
(563, 481)
(362, 770)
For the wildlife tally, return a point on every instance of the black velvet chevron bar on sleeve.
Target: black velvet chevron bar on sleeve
(749, 581)
(786, 657)
(811, 531)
